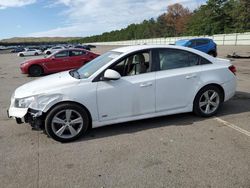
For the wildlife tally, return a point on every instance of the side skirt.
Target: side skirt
(96, 124)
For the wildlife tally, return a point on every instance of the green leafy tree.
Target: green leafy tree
(242, 15)
(215, 17)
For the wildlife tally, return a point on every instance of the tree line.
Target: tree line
(215, 17)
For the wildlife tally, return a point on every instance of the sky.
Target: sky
(77, 18)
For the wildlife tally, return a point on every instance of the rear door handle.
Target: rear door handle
(146, 84)
(191, 76)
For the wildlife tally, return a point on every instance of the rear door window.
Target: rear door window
(204, 61)
(174, 58)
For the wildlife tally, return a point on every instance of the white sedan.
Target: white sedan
(29, 52)
(125, 84)
(53, 50)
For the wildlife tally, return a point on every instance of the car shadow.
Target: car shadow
(240, 103)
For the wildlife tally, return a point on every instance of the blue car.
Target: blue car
(203, 44)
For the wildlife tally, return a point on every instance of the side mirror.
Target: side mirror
(111, 75)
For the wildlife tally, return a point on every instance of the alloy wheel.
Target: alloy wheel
(209, 101)
(67, 123)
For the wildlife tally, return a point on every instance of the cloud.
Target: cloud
(15, 3)
(60, 32)
(85, 17)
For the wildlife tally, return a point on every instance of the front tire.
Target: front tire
(35, 70)
(21, 55)
(36, 54)
(48, 52)
(66, 122)
(208, 101)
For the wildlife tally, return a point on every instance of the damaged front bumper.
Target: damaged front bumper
(31, 109)
(17, 113)
(26, 115)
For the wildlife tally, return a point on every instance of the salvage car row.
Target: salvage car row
(47, 50)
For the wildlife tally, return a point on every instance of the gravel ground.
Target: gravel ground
(172, 151)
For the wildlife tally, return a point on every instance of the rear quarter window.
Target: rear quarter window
(204, 61)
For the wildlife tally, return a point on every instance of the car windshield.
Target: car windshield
(181, 42)
(51, 55)
(90, 68)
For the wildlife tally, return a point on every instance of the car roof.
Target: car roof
(201, 39)
(130, 49)
(80, 49)
(184, 40)
(67, 49)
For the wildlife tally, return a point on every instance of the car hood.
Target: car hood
(46, 84)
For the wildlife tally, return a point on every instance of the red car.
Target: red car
(60, 61)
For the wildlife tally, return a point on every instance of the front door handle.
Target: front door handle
(146, 84)
(191, 76)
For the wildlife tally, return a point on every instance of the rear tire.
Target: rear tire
(35, 70)
(36, 54)
(208, 101)
(212, 53)
(48, 52)
(66, 122)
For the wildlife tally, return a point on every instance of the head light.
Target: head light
(37, 102)
(41, 101)
(24, 102)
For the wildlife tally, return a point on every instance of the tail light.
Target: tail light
(232, 68)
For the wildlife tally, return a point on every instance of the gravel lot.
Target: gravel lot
(173, 151)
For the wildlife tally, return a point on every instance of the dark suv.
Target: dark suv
(203, 44)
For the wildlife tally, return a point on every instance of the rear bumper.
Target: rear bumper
(229, 88)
